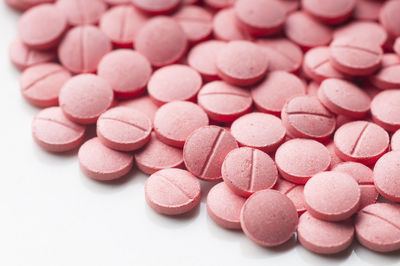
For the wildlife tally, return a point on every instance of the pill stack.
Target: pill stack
(293, 105)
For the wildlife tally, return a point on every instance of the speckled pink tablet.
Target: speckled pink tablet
(142, 104)
(324, 237)
(299, 159)
(225, 26)
(224, 206)
(306, 117)
(395, 141)
(364, 177)
(115, 66)
(259, 130)
(82, 49)
(241, 63)
(275, 90)
(367, 9)
(387, 176)
(101, 163)
(247, 170)
(363, 30)
(378, 227)
(162, 40)
(22, 5)
(80, 12)
(385, 109)
(172, 191)
(344, 98)
(85, 97)
(41, 84)
(269, 218)
(294, 193)
(157, 155)
(387, 78)
(42, 27)
(361, 141)
(121, 24)
(53, 132)
(224, 102)
(174, 83)
(389, 18)
(396, 46)
(205, 150)
(156, 7)
(329, 11)
(175, 121)
(306, 31)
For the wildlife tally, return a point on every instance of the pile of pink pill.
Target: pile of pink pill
(293, 105)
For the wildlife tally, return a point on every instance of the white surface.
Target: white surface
(52, 215)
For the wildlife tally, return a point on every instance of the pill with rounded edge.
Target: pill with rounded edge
(387, 78)
(395, 141)
(117, 2)
(143, 104)
(389, 18)
(367, 9)
(225, 26)
(387, 176)
(385, 109)
(329, 11)
(396, 46)
(82, 12)
(156, 7)
(219, 4)
(363, 30)
(293, 191)
(22, 5)
(335, 160)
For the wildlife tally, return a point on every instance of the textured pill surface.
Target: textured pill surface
(329, 11)
(143, 104)
(225, 26)
(81, 12)
(387, 77)
(295, 193)
(363, 30)
(156, 7)
(385, 109)
(387, 176)
(395, 141)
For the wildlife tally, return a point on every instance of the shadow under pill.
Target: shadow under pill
(228, 235)
(254, 251)
(376, 258)
(205, 188)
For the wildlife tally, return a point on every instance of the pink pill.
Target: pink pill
(294, 192)
(41, 84)
(156, 7)
(361, 141)
(22, 5)
(175, 121)
(389, 18)
(195, 21)
(223, 102)
(219, 4)
(117, 2)
(156, 156)
(275, 90)
(259, 131)
(162, 40)
(23, 57)
(260, 17)
(312, 89)
(387, 176)
(172, 191)
(81, 12)
(299, 159)
(365, 179)
(306, 117)
(329, 11)
(121, 24)
(224, 206)
(53, 132)
(395, 142)
(390, 59)
(387, 78)
(241, 63)
(82, 49)
(41, 27)
(344, 98)
(114, 67)
(205, 151)
(101, 163)
(306, 32)
(335, 160)
(225, 26)
(377, 227)
(165, 86)
(396, 46)
(385, 109)
(143, 104)
(355, 56)
(290, 5)
(247, 170)
(323, 237)
(85, 97)
(269, 218)
(124, 129)
(367, 9)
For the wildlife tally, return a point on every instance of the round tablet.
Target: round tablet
(101, 163)
(299, 159)
(143, 104)
(269, 218)
(363, 30)
(378, 227)
(82, 49)
(396, 46)
(175, 121)
(361, 141)
(117, 2)
(41, 27)
(53, 132)
(344, 98)
(335, 160)
(387, 176)
(115, 66)
(294, 192)
(225, 26)
(259, 130)
(23, 5)
(305, 31)
(224, 206)
(205, 150)
(223, 102)
(156, 155)
(162, 40)
(156, 7)
(173, 83)
(81, 12)
(367, 10)
(306, 117)
(121, 24)
(312, 89)
(172, 191)
(389, 18)
(323, 237)
(385, 109)
(247, 170)
(85, 97)
(390, 59)
(387, 78)
(329, 11)
(219, 4)
(41, 84)
(241, 63)
(395, 142)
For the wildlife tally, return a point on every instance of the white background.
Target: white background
(52, 215)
